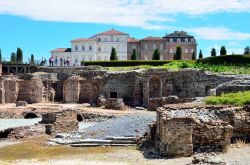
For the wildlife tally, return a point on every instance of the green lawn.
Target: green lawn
(238, 99)
(176, 65)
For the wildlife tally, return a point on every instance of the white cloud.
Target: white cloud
(210, 33)
(149, 14)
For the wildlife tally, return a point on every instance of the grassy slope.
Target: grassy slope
(176, 65)
(238, 99)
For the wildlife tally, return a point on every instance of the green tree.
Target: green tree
(0, 56)
(32, 59)
(247, 51)
(200, 55)
(213, 52)
(156, 55)
(19, 56)
(113, 56)
(13, 58)
(133, 56)
(223, 51)
(178, 53)
(193, 56)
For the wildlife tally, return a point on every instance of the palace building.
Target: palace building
(98, 47)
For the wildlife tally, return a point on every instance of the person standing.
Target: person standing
(56, 61)
(61, 62)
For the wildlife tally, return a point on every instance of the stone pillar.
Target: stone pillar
(176, 137)
(8, 89)
(36, 90)
(71, 90)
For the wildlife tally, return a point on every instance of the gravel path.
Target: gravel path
(128, 125)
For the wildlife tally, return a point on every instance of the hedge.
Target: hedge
(125, 63)
(228, 59)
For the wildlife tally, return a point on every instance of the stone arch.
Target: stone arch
(155, 87)
(79, 117)
(30, 115)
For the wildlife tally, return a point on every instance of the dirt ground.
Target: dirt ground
(40, 108)
(35, 151)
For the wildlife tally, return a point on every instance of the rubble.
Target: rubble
(58, 122)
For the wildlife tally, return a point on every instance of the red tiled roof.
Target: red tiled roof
(61, 50)
(82, 39)
(151, 38)
(111, 32)
(133, 40)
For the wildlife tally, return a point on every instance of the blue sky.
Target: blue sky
(42, 25)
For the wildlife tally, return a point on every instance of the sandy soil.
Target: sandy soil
(35, 151)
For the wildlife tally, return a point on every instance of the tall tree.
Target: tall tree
(223, 51)
(178, 53)
(200, 55)
(247, 51)
(193, 56)
(0, 56)
(156, 55)
(19, 56)
(32, 59)
(213, 52)
(13, 58)
(133, 56)
(113, 56)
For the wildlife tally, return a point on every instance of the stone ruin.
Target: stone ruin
(184, 130)
(59, 122)
(150, 88)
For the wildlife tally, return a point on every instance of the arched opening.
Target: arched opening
(30, 115)
(79, 117)
(155, 87)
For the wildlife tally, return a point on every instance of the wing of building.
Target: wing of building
(98, 47)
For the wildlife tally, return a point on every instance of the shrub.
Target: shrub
(229, 59)
(125, 63)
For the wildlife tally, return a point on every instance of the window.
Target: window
(161, 46)
(133, 47)
(117, 39)
(112, 39)
(171, 40)
(186, 40)
(178, 40)
(90, 47)
(154, 46)
(145, 46)
(105, 39)
(76, 48)
(113, 95)
(83, 48)
(171, 50)
(76, 60)
(186, 50)
(99, 49)
(99, 39)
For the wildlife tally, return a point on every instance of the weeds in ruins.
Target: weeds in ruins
(239, 99)
(177, 65)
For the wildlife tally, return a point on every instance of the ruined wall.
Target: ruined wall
(65, 121)
(8, 89)
(136, 88)
(175, 137)
(181, 131)
(71, 90)
(186, 83)
(121, 85)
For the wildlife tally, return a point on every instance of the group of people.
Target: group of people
(54, 62)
